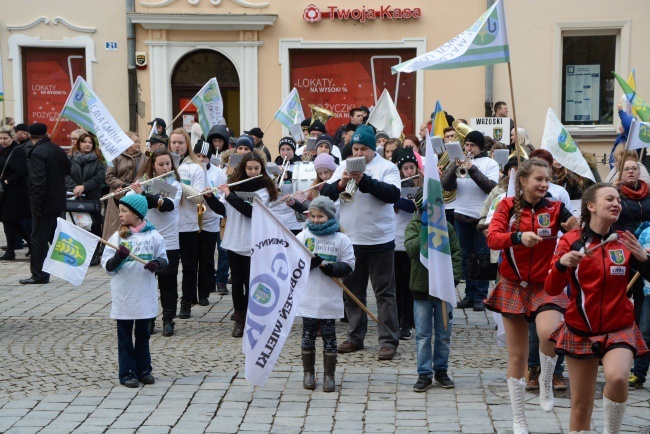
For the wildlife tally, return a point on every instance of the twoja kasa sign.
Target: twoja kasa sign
(313, 14)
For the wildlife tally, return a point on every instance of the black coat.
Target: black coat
(634, 213)
(90, 174)
(48, 166)
(14, 207)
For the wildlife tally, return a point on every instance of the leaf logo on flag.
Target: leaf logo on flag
(436, 223)
(489, 31)
(264, 290)
(566, 142)
(211, 93)
(644, 133)
(69, 251)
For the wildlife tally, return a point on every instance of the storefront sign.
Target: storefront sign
(313, 14)
(497, 128)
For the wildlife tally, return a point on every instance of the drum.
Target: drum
(304, 175)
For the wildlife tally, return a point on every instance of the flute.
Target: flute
(291, 196)
(411, 177)
(212, 190)
(125, 189)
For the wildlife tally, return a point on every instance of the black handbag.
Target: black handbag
(83, 205)
(479, 267)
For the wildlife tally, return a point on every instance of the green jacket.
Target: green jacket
(419, 273)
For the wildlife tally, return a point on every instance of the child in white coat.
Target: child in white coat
(322, 302)
(133, 287)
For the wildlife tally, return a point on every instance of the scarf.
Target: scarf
(328, 228)
(138, 228)
(638, 193)
(82, 159)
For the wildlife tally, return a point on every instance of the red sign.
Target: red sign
(313, 14)
(340, 80)
(48, 78)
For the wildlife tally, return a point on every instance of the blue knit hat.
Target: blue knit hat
(245, 140)
(365, 135)
(136, 203)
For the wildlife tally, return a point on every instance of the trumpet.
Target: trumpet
(351, 188)
(126, 189)
(462, 171)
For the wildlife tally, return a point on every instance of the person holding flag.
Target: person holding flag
(525, 227)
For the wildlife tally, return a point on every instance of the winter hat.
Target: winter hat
(402, 156)
(203, 148)
(37, 129)
(351, 127)
(317, 126)
(257, 132)
(418, 198)
(159, 123)
(324, 161)
(477, 138)
(21, 127)
(325, 138)
(365, 135)
(305, 124)
(325, 205)
(245, 141)
(287, 141)
(136, 203)
(218, 132)
(382, 135)
(157, 138)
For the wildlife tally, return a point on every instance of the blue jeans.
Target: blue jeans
(533, 351)
(428, 318)
(641, 364)
(472, 241)
(222, 264)
(134, 360)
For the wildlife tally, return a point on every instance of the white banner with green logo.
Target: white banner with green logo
(560, 144)
(70, 253)
(639, 135)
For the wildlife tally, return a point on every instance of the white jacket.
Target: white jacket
(191, 174)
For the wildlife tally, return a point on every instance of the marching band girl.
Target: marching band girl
(525, 228)
(599, 321)
(325, 167)
(286, 215)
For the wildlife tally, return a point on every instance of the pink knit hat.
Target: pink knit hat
(324, 161)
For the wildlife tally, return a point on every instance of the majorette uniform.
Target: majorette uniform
(520, 290)
(600, 316)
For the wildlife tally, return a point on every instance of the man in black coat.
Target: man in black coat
(48, 166)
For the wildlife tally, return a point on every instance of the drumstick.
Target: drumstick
(609, 239)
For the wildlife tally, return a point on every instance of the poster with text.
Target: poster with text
(582, 95)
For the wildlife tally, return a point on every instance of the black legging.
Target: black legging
(403, 292)
(168, 285)
(310, 331)
(189, 253)
(12, 229)
(240, 270)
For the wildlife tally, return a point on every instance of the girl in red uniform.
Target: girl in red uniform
(599, 321)
(525, 228)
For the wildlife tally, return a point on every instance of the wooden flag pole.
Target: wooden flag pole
(131, 255)
(355, 299)
(56, 125)
(178, 115)
(514, 116)
(445, 319)
(267, 127)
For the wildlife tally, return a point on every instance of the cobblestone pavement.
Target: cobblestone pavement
(59, 374)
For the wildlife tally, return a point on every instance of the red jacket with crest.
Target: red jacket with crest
(521, 263)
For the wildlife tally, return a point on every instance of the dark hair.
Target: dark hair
(498, 105)
(542, 154)
(240, 174)
(354, 110)
(148, 170)
(93, 139)
(589, 196)
(446, 130)
(414, 139)
(523, 172)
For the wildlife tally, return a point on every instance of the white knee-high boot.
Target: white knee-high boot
(517, 389)
(612, 415)
(547, 367)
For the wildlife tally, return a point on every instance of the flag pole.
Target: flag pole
(355, 299)
(445, 319)
(514, 116)
(56, 125)
(114, 247)
(178, 115)
(267, 127)
(621, 164)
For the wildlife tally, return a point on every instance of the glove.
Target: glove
(315, 262)
(122, 252)
(327, 269)
(152, 266)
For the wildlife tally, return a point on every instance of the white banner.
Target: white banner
(639, 135)
(290, 112)
(278, 277)
(70, 254)
(385, 117)
(209, 104)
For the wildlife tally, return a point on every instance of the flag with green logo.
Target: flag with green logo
(484, 43)
(70, 252)
(565, 150)
(84, 108)
(290, 112)
(209, 104)
(639, 135)
(639, 105)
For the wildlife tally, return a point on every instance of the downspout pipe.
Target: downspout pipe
(133, 80)
(489, 81)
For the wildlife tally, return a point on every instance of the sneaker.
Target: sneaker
(422, 384)
(634, 382)
(148, 379)
(405, 333)
(443, 380)
(465, 304)
(204, 302)
(533, 378)
(478, 306)
(222, 289)
(559, 383)
(131, 383)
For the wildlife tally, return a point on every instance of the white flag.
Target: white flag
(209, 105)
(278, 277)
(564, 149)
(385, 118)
(639, 135)
(290, 112)
(84, 108)
(70, 254)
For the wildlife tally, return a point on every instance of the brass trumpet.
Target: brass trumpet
(351, 188)
(320, 114)
(462, 171)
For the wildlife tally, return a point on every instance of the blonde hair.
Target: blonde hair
(523, 172)
(620, 152)
(6, 129)
(188, 143)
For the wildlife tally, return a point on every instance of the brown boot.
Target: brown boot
(329, 366)
(240, 321)
(308, 362)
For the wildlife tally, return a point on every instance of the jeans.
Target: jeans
(134, 360)
(206, 245)
(222, 264)
(42, 233)
(641, 364)
(428, 318)
(168, 285)
(533, 351)
(472, 241)
(189, 253)
(240, 270)
(403, 292)
(379, 267)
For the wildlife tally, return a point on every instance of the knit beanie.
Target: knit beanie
(203, 148)
(402, 156)
(325, 205)
(136, 203)
(325, 138)
(245, 140)
(157, 138)
(382, 135)
(317, 126)
(477, 138)
(365, 135)
(287, 141)
(324, 161)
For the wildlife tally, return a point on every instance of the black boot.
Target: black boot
(168, 325)
(152, 326)
(240, 322)
(308, 362)
(97, 256)
(9, 255)
(329, 366)
(186, 309)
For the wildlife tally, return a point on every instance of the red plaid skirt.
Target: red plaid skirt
(586, 347)
(511, 299)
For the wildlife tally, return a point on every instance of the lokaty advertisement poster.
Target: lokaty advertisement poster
(339, 80)
(49, 75)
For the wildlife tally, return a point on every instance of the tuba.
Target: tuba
(522, 153)
(320, 114)
(462, 130)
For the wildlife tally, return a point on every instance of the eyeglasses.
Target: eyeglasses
(630, 169)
